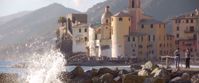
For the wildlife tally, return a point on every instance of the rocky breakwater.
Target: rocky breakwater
(9, 78)
(147, 73)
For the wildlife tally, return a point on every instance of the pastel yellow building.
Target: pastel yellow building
(121, 23)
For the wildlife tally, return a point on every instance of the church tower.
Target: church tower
(135, 11)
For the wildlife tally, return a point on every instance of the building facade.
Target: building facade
(185, 30)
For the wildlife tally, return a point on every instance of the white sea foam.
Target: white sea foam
(45, 68)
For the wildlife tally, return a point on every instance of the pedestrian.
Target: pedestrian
(187, 58)
(177, 58)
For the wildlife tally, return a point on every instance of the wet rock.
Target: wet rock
(107, 78)
(8, 78)
(118, 79)
(129, 78)
(107, 70)
(96, 80)
(185, 78)
(91, 73)
(121, 72)
(77, 72)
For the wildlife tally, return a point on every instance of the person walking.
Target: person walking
(177, 58)
(187, 58)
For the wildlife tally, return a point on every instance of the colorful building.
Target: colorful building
(185, 30)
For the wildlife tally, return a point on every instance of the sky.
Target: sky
(8, 7)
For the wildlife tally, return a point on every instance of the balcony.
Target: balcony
(189, 31)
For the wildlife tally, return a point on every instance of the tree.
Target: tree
(62, 20)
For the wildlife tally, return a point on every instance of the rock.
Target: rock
(91, 73)
(118, 79)
(121, 72)
(96, 80)
(176, 79)
(129, 78)
(185, 78)
(148, 65)
(8, 78)
(107, 70)
(106, 78)
(135, 67)
(159, 80)
(143, 72)
(195, 78)
(77, 72)
(161, 73)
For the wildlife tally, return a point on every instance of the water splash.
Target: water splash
(46, 67)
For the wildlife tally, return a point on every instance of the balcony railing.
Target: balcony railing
(189, 31)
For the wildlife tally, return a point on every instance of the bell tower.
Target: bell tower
(135, 11)
(134, 4)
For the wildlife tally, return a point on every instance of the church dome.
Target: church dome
(106, 15)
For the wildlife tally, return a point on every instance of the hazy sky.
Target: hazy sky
(13, 6)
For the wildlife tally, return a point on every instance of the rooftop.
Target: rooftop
(122, 14)
(150, 21)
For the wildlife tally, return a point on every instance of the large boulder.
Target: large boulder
(77, 72)
(129, 78)
(91, 73)
(185, 78)
(103, 71)
(107, 78)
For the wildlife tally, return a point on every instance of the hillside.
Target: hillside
(40, 23)
(160, 9)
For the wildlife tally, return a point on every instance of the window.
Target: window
(187, 21)
(160, 45)
(120, 19)
(80, 30)
(129, 39)
(177, 35)
(86, 39)
(95, 36)
(177, 28)
(142, 38)
(149, 37)
(85, 30)
(191, 20)
(133, 38)
(192, 28)
(142, 26)
(132, 4)
(151, 25)
(129, 19)
(107, 21)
